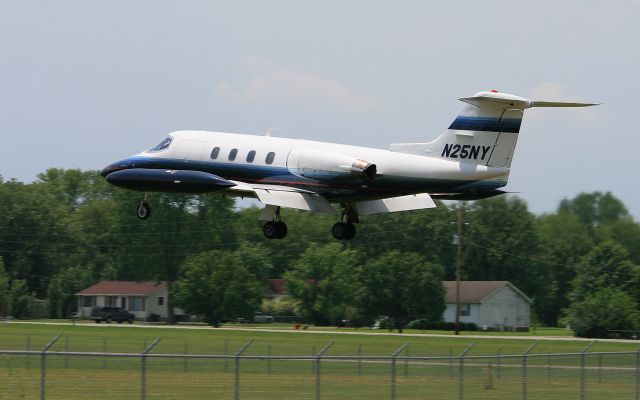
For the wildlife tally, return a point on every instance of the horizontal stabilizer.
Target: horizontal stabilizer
(393, 204)
(560, 104)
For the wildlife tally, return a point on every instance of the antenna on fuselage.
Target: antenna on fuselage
(270, 130)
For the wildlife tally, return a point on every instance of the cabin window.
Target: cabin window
(162, 145)
(251, 156)
(232, 154)
(215, 152)
(270, 157)
(160, 300)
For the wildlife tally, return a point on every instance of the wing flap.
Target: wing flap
(283, 196)
(297, 200)
(394, 204)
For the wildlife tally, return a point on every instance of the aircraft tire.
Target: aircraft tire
(143, 211)
(350, 232)
(270, 230)
(281, 230)
(338, 230)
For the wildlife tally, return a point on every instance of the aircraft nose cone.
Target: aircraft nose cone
(120, 165)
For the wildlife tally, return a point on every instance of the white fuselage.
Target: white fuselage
(318, 166)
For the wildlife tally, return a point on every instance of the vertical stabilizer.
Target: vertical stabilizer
(485, 132)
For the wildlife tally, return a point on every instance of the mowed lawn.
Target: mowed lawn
(78, 377)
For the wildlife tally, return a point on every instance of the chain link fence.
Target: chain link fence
(51, 368)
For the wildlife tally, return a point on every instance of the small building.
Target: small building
(494, 305)
(139, 298)
(277, 289)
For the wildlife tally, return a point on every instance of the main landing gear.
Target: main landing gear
(275, 229)
(345, 229)
(144, 210)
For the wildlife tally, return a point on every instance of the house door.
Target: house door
(123, 302)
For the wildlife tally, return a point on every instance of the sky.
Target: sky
(83, 84)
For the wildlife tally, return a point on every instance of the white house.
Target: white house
(488, 304)
(139, 298)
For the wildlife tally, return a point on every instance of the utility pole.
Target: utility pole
(458, 242)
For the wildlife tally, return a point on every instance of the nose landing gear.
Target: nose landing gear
(144, 210)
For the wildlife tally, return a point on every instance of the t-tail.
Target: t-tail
(485, 132)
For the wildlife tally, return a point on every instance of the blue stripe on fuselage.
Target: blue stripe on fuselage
(347, 188)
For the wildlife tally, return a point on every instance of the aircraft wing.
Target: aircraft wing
(283, 196)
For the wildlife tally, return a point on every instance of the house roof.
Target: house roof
(475, 291)
(278, 286)
(128, 288)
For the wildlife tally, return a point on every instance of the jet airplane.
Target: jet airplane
(470, 161)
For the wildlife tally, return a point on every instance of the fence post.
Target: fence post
(104, 350)
(359, 360)
(28, 363)
(600, 368)
(318, 358)
(461, 371)
(450, 363)
(236, 386)
(582, 361)
(43, 368)
(226, 360)
(66, 349)
(525, 355)
(393, 370)
(269, 359)
(638, 375)
(499, 361)
(406, 362)
(313, 352)
(143, 368)
(185, 364)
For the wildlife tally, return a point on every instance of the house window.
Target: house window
(89, 301)
(465, 310)
(215, 152)
(160, 301)
(232, 154)
(137, 303)
(112, 301)
(270, 157)
(251, 156)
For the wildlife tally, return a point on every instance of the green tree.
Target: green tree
(20, 299)
(595, 209)
(217, 285)
(606, 266)
(4, 289)
(564, 240)
(401, 286)
(626, 232)
(322, 281)
(62, 289)
(608, 309)
(501, 243)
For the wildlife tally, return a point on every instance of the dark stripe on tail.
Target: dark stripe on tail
(486, 124)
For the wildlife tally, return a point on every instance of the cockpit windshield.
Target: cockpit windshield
(162, 145)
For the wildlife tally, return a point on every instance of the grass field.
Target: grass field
(78, 377)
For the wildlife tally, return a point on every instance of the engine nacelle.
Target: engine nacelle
(328, 166)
